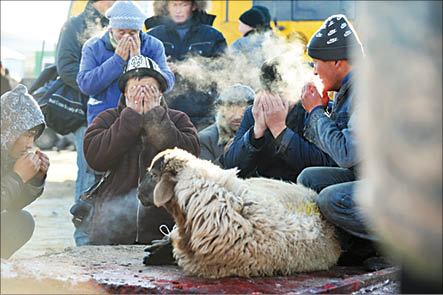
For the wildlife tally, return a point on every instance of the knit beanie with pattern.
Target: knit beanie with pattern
(335, 40)
(126, 15)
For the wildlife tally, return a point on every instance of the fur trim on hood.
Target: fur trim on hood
(160, 6)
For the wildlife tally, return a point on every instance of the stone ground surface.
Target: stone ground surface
(51, 264)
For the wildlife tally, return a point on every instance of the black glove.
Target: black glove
(159, 252)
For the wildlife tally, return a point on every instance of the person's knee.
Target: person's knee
(28, 224)
(17, 230)
(326, 199)
(305, 177)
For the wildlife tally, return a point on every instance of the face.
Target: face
(22, 145)
(243, 28)
(180, 11)
(145, 190)
(233, 115)
(119, 33)
(133, 83)
(328, 73)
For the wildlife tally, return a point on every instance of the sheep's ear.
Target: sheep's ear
(164, 190)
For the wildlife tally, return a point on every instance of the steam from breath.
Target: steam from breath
(292, 66)
(93, 28)
(120, 212)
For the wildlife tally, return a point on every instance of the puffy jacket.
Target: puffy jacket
(334, 134)
(124, 142)
(101, 67)
(202, 40)
(75, 32)
(281, 158)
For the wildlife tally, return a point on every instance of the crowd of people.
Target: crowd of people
(138, 104)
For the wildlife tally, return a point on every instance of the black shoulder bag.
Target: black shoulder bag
(83, 210)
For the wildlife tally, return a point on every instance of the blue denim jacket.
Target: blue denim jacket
(334, 133)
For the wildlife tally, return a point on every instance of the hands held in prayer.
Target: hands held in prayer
(270, 111)
(311, 98)
(128, 46)
(30, 164)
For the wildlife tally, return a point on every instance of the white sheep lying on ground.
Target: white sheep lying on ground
(227, 226)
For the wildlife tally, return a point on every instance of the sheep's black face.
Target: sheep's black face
(145, 190)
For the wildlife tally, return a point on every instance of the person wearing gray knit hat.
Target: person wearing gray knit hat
(23, 172)
(230, 106)
(333, 131)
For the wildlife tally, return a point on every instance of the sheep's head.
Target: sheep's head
(157, 186)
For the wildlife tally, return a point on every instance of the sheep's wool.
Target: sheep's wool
(253, 227)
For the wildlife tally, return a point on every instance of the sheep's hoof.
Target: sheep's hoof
(156, 244)
(160, 255)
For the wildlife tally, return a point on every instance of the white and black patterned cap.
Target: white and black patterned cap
(142, 66)
(335, 40)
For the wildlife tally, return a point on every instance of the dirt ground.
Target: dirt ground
(53, 227)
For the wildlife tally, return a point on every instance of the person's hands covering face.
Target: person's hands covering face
(134, 45)
(142, 98)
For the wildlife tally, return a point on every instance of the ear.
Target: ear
(164, 190)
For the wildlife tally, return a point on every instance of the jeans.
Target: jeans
(336, 197)
(85, 178)
(17, 228)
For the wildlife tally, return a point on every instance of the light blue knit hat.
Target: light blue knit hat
(126, 15)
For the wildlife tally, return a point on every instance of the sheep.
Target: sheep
(227, 226)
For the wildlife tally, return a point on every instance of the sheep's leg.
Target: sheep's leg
(159, 252)
(158, 244)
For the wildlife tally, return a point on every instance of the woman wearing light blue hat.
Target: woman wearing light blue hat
(104, 57)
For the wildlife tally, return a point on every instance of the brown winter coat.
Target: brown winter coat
(125, 142)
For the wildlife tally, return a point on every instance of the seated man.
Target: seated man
(23, 172)
(230, 106)
(334, 133)
(123, 141)
(269, 141)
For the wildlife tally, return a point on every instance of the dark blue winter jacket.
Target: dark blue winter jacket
(202, 40)
(281, 158)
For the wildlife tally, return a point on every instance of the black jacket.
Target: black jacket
(75, 32)
(202, 40)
